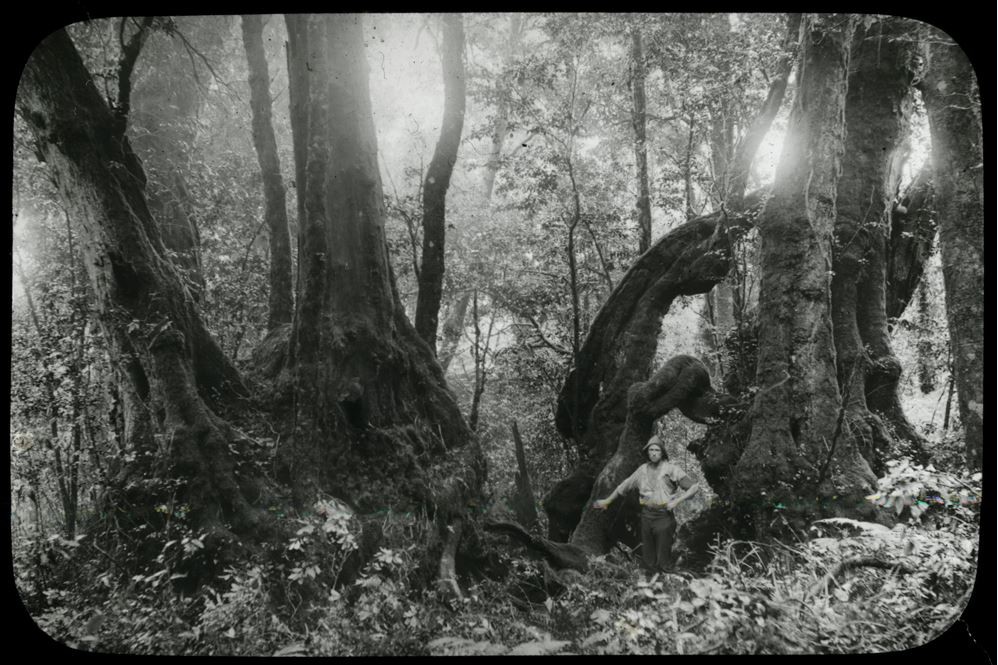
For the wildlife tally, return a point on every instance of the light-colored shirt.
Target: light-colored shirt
(655, 485)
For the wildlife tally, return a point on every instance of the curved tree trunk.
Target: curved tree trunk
(797, 451)
(280, 305)
(952, 100)
(157, 339)
(878, 107)
(431, 269)
(373, 418)
(620, 348)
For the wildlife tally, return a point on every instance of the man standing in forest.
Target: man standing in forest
(661, 487)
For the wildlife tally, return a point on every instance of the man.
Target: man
(661, 487)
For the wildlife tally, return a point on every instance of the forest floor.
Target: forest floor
(845, 587)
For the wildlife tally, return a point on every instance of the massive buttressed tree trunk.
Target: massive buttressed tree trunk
(952, 101)
(170, 370)
(798, 452)
(374, 422)
(431, 269)
(878, 109)
(280, 305)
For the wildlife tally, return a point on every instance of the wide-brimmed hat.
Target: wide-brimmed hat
(656, 441)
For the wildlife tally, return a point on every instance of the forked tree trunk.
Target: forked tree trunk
(952, 101)
(431, 269)
(373, 421)
(167, 361)
(796, 454)
(878, 108)
(280, 305)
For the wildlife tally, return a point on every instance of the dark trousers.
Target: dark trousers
(658, 530)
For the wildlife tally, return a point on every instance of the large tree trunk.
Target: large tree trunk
(280, 304)
(431, 270)
(952, 101)
(798, 452)
(156, 337)
(373, 419)
(640, 140)
(878, 107)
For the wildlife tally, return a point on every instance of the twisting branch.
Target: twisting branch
(126, 66)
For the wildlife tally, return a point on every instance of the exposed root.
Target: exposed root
(559, 555)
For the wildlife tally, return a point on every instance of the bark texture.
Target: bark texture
(431, 270)
(798, 452)
(167, 362)
(373, 418)
(280, 304)
(952, 101)
(878, 106)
